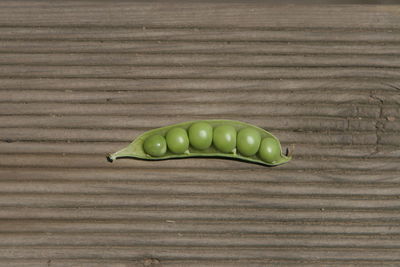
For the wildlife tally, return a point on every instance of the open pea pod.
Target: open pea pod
(207, 138)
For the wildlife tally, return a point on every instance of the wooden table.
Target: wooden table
(81, 79)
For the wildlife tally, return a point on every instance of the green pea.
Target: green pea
(248, 141)
(270, 150)
(224, 138)
(177, 140)
(200, 135)
(155, 145)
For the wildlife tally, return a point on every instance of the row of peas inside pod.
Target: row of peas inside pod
(209, 138)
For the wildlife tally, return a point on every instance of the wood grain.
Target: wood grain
(229, 14)
(190, 34)
(81, 79)
(279, 85)
(196, 47)
(171, 60)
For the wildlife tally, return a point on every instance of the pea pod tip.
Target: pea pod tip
(110, 158)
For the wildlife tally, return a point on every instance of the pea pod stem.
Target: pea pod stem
(126, 152)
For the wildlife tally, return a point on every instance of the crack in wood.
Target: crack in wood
(379, 124)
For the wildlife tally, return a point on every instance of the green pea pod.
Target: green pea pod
(253, 144)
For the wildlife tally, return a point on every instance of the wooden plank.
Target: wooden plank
(188, 239)
(195, 34)
(134, 59)
(198, 109)
(186, 96)
(228, 228)
(79, 80)
(372, 177)
(201, 188)
(191, 14)
(200, 253)
(172, 217)
(128, 72)
(229, 201)
(283, 85)
(151, 261)
(194, 47)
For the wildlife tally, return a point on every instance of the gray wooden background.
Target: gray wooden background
(81, 79)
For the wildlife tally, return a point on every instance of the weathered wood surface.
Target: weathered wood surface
(82, 79)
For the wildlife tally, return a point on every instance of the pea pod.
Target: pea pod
(207, 138)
